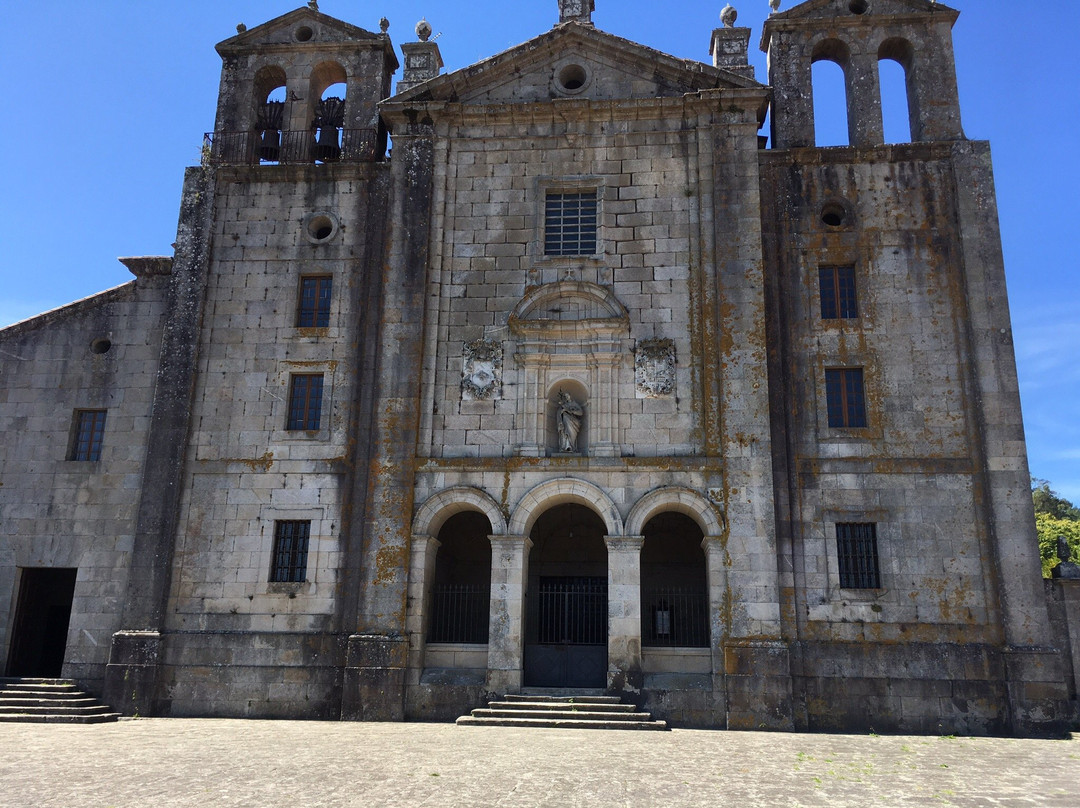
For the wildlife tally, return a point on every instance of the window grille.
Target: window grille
(675, 617)
(315, 295)
(845, 398)
(570, 223)
(572, 611)
(305, 402)
(459, 613)
(838, 298)
(856, 549)
(289, 564)
(89, 434)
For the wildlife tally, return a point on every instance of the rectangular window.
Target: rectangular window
(838, 299)
(305, 402)
(89, 434)
(314, 310)
(289, 564)
(845, 398)
(856, 550)
(570, 223)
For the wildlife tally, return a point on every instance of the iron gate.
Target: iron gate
(570, 649)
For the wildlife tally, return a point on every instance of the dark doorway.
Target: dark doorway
(39, 639)
(567, 619)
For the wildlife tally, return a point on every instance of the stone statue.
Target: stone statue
(569, 417)
(1065, 568)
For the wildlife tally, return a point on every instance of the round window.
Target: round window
(571, 78)
(321, 227)
(304, 34)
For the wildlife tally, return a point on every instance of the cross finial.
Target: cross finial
(579, 10)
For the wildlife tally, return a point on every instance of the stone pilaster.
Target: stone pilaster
(421, 573)
(506, 634)
(624, 612)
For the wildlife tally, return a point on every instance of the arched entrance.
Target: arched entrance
(566, 619)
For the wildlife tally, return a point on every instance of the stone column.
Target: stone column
(865, 127)
(506, 632)
(624, 612)
(421, 572)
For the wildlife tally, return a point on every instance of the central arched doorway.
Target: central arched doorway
(566, 617)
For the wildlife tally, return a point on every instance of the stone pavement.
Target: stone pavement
(215, 763)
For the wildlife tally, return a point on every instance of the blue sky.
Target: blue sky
(107, 102)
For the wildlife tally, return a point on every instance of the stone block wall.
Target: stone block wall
(233, 636)
(57, 512)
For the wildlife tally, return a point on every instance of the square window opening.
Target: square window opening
(305, 402)
(316, 292)
(570, 223)
(289, 563)
(845, 398)
(839, 300)
(89, 435)
(857, 554)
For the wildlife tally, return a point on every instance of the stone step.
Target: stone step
(584, 715)
(593, 706)
(38, 687)
(570, 697)
(560, 723)
(30, 718)
(55, 709)
(26, 700)
(52, 701)
(30, 680)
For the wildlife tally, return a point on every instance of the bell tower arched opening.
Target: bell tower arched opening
(566, 613)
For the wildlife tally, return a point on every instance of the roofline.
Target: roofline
(457, 78)
(789, 21)
(68, 309)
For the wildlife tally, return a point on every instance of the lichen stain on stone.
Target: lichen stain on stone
(389, 561)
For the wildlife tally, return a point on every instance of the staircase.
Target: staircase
(564, 712)
(53, 701)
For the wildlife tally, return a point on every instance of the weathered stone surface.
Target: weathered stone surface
(579, 303)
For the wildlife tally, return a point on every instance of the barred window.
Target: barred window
(315, 295)
(570, 223)
(305, 402)
(838, 298)
(89, 435)
(289, 564)
(856, 549)
(845, 397)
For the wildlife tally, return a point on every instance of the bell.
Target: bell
(270, 146)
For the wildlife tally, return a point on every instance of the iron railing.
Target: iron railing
(459, 613)
(278, 147)
(572, 611)
(675, 617)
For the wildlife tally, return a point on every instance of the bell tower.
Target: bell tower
(302, 88)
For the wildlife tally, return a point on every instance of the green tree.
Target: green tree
(1054, 516)
(1051, 503)
(1049, 529)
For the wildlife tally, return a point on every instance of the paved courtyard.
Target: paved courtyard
(264, 764)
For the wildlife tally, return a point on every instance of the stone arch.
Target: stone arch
(679, 500)
(439, 507)
(558, 492)
(900, 50)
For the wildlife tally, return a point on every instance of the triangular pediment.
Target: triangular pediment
(611, 68)
(822, 9)
(302, 27)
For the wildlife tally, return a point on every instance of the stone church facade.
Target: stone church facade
(581, 383)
